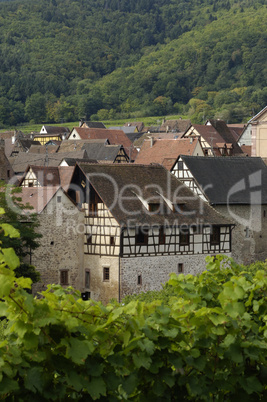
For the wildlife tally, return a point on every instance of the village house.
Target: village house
(91, 124)
(215, 138)
(237, 188)
(99, 149)
(255, 134)
(141, 224)
(114, 137)
(51, 133)
(42, 176)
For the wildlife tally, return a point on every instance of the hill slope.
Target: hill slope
(63, 59)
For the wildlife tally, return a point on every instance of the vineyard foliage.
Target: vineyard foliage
(207, 341)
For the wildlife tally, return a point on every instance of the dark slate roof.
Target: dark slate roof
(23, 159)
(120, 185)
(56, 130)
(101, 152)
(226, 134)
(233, 177)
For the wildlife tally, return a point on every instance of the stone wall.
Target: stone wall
(61, 225)
(154, 271)
(249, 236)
(101, 289)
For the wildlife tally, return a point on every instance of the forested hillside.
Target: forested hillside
(66, 59)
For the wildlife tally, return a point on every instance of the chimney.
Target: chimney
(151, 142)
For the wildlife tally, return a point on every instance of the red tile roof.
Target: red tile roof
(165, 151)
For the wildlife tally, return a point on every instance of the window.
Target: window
(89, 239)
(112, 241)
(141, 236)
(180, 165)
(106, 274)
(184, 236)
(161, 236)
(64, 277)
(154, 207)
(92, 209)
(215, 235)
(58, 198)
(87, 279)
(30, 183)
(180, 268)
(139, 279)
(8, 173)
(52, 243)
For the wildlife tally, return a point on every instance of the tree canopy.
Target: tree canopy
(66, 59)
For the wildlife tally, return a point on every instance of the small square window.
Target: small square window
(106, 275)
(112, 241)
(64, 277)
(139, 280)
(180, 268)
(52, 243)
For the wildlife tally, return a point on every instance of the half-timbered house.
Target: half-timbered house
(215, 138)
(141, 224)
(42, 176)
(237, 188)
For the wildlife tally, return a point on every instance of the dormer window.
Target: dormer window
(154, 207)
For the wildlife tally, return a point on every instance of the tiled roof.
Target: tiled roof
(23, 160)
(51, 176)
(138, 124)
(78, 145)
(229, 179)
(37, 148)
(226, 134)
(93, 124)
(56, 130)
(37, 197)
(121, 187)
(179, 125)
(157, 136)
(115, 137)
(156, 151)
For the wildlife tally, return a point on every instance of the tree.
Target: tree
(25, 225)
(35, 108)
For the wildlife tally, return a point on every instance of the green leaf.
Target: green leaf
(9, 230)
(96, 387)
(9, 258)
(34, 379)
(78, 350)
(141, 360)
